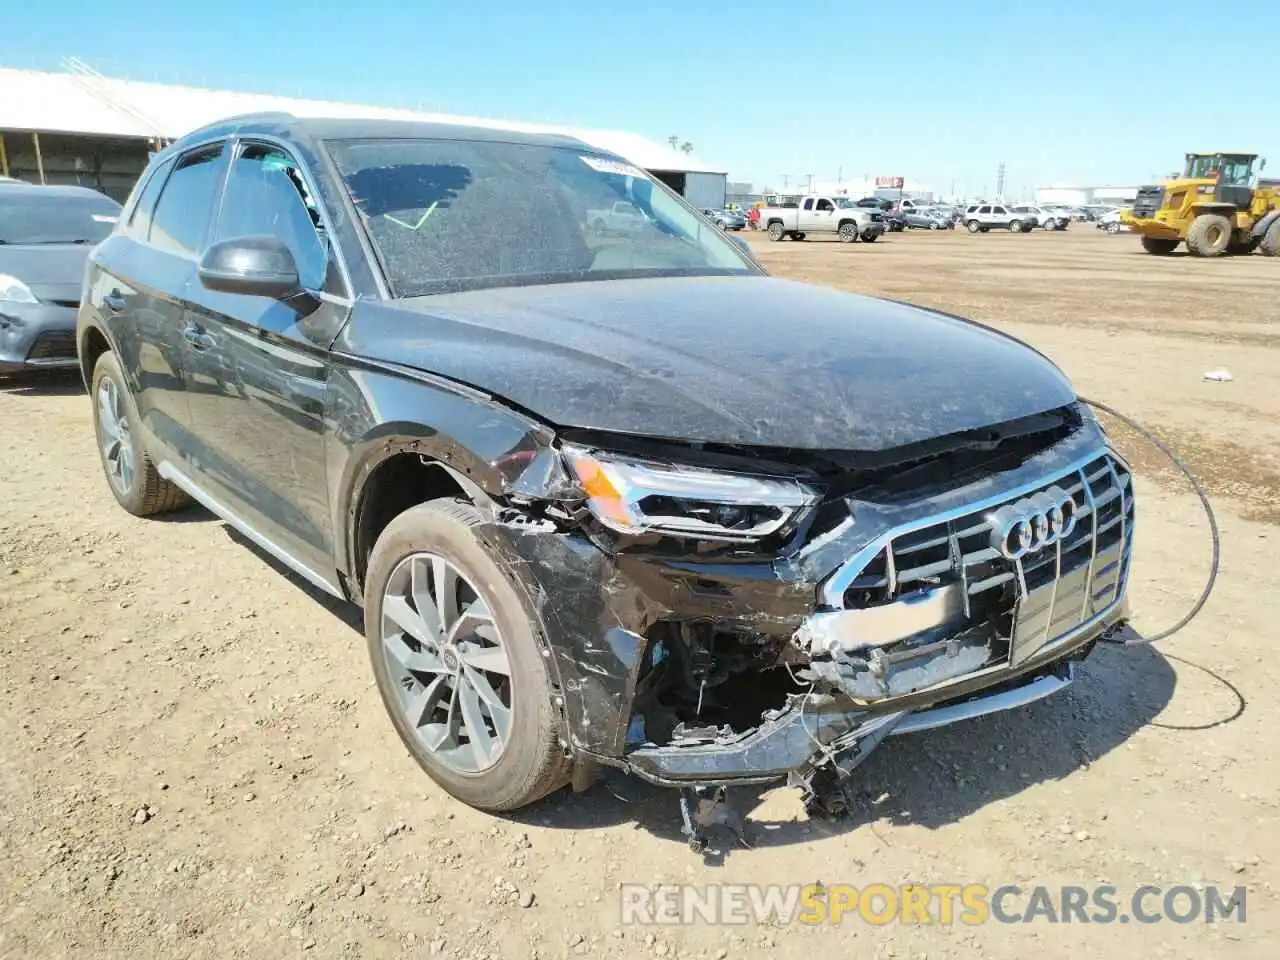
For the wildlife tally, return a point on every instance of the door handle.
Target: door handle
(114, 302)
(198, 338)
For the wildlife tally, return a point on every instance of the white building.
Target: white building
(81, 127)
(1083, 196)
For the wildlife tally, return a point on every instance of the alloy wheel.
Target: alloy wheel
(116, 437)
(446, 657)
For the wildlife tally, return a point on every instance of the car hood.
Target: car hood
(53, 271)
(734, 360)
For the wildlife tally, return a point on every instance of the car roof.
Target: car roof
(36, 190)
(288, 127)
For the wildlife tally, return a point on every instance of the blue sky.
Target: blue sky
(1084, 91)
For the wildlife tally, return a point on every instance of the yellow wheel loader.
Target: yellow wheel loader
(1216, 207)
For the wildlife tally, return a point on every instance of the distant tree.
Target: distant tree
(686, 147)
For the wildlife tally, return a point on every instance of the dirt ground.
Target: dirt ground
(195, 762)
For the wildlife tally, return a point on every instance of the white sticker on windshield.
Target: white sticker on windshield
(605, 165)
(104, 218)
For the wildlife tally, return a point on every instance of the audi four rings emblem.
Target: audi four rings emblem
(1031, 524)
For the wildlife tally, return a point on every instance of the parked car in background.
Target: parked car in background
(624, 500)
(45, 237)
(929, 219)
(838, 215)
(983, 217)
(618, 217)
(1038, 216)
(1110, 221)
(726, 219)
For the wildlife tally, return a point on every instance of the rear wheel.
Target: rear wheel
(870, 237)
(457, 662)
(131, 473)
(1160, 246)
(798, 236)
(1210, 235)
(1270, 245)
(848, 232)
(933, 225)
(776, 232)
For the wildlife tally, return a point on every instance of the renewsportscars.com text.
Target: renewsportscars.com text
(938, 903)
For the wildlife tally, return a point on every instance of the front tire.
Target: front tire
(1209, 236)
(1113, 227)
(848, 232)
(870, 237)
(457, 661)
(798, 236)
(131, 474)
(1160, 246)
(974, 226)
(1015, 226)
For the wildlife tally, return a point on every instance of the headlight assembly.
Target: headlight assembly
(633, 496)
(15, 291)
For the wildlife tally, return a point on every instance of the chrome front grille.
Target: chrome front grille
(1034, 599)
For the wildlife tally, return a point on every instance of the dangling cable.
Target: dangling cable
(1208, 512)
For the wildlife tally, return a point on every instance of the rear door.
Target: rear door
(257, 368)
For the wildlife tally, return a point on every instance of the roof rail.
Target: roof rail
(257, 115)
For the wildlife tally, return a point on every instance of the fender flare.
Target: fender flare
(1264, 223)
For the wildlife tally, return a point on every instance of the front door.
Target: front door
(257, 369)
(144, 284)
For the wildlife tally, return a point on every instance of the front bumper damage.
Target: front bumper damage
(37, 336)
(902, 617)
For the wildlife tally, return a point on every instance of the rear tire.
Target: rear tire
(1209, 236)
(776, 232)
(870, 237)
(131, 474)
(531, 762)
(1270, 245)
(797, 235)
(1160, 246)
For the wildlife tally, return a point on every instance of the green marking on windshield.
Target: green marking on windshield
(413, 226)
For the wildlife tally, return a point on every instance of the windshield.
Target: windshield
(447, 215)
(1235, 171)
(844, 203)
(32, 215)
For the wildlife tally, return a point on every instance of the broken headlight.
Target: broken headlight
(639, 496)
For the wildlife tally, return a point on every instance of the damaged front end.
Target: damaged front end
(718, 619)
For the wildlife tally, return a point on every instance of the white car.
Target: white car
(618, 217)
(1110, 221)
(1041, 216)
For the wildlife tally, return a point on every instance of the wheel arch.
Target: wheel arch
(92, 342)
(1264, 223)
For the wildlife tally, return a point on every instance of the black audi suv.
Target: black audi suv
(606, 498)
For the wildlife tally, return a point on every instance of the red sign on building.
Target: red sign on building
(892, 183)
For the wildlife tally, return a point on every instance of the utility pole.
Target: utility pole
(1000, 182)
(810, 176)
(786, 180)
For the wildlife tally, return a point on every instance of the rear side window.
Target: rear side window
(266, 195)
(181, 218)
(140, 219)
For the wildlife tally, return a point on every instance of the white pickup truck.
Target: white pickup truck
(618, 217)
(838, 215)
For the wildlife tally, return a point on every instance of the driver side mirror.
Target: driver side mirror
(254, 266)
